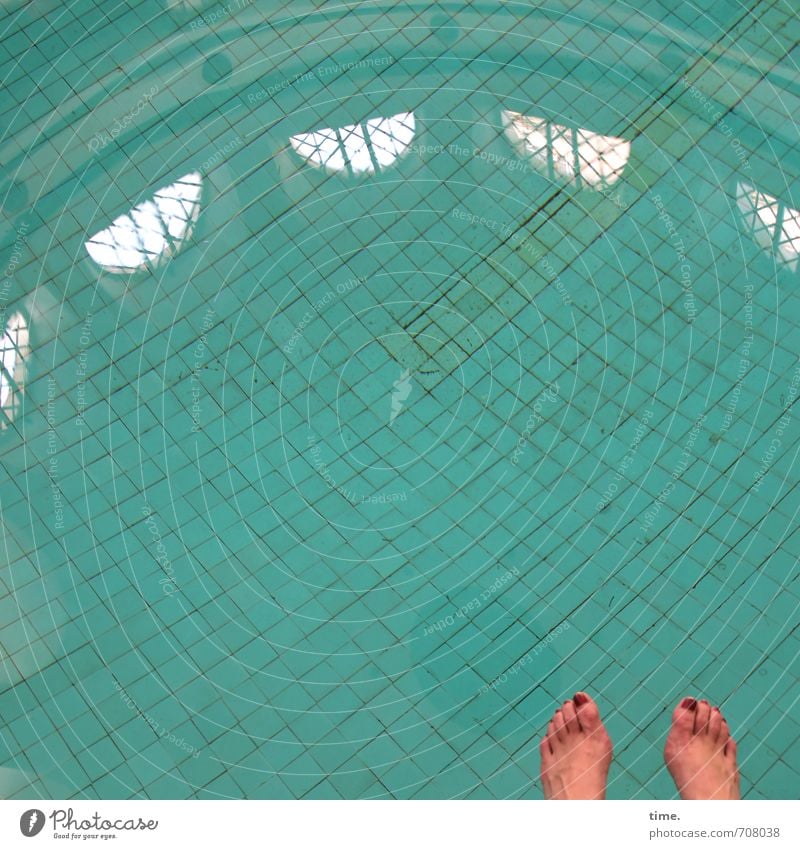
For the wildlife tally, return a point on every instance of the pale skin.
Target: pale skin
(699, 753)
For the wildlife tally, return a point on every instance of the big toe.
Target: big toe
(683, 716)
(588, 712)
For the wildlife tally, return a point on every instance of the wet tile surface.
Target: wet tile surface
(372, 381)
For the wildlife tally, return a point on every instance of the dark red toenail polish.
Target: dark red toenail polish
(580, 698)
(689, 704)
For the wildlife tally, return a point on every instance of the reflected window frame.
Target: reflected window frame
(14, 353)
(771, 223)
(561, 152)
(367, 147)
(153, 232)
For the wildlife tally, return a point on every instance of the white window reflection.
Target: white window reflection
(773, 224)
(569, 153)
(14, 352)
(152, 231)
(358, 148)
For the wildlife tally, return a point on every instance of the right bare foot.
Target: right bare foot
(576, 752)
(700, 752)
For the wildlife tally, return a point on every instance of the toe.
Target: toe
(730, 750)
(683, 715)
(587, 711)
(724, 730)
(715, 724)
(545, 751)
(701, 717)
(560, 724)
(570, 717)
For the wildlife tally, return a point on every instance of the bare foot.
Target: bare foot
(700, 752)
(576, 752)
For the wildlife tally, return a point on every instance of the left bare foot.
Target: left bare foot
(576, 752)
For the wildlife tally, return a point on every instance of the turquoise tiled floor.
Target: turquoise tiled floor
(341, 458)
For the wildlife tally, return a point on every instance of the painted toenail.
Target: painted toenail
(580, 698)
(689, 704)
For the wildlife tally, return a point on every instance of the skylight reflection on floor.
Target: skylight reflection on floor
(774, 225)
(563, 152)
(152, 232)
(13, 353)
(362, 148)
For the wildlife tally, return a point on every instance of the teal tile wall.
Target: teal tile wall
(338, 494)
